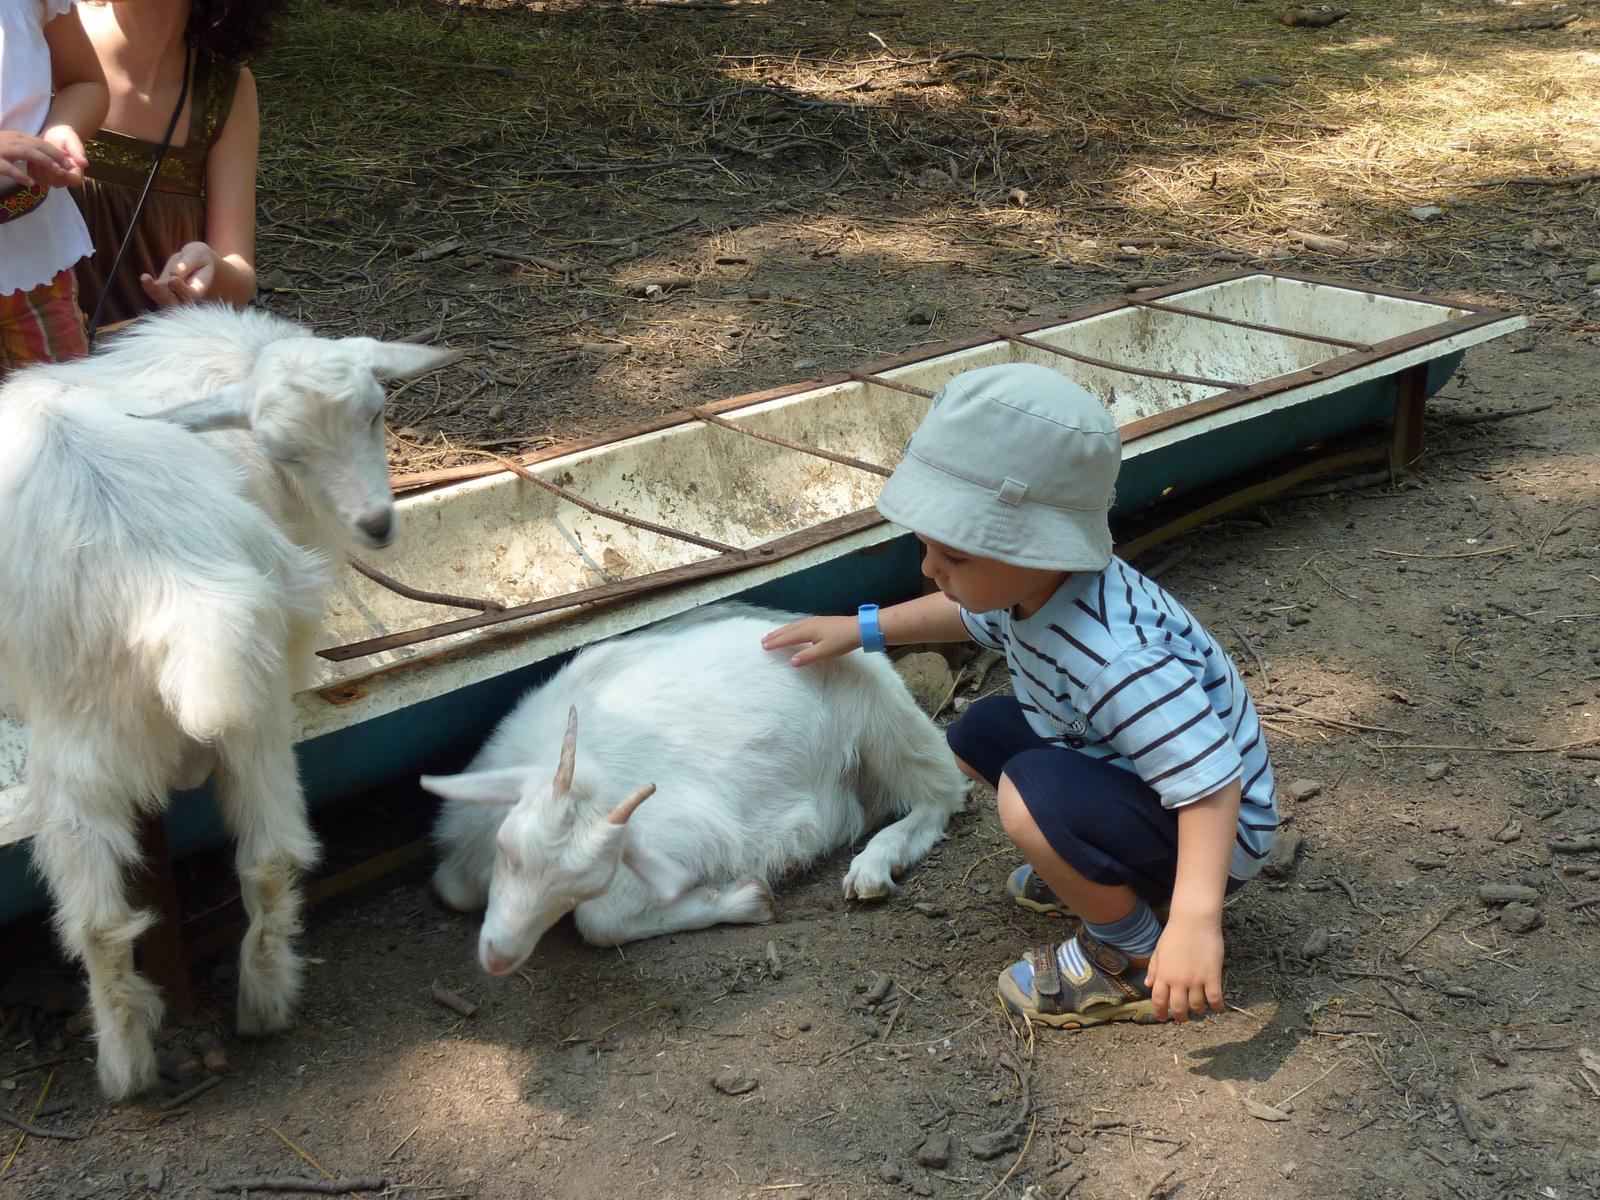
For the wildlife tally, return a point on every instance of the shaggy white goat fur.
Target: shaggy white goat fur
(759, 767)
(161, 589)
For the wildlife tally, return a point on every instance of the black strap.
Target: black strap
(133, 223)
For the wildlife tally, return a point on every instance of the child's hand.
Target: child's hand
(187, 277)
(65, 139)
(1185, 974)
(824, 637)
(30, 160)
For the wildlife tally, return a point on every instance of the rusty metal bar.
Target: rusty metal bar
(612, 514)
(1111, 366)
(776, 550)
(1234, 321)
(411, 593)
(803, 447)
(893, 385)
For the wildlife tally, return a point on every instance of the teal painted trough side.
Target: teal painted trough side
(405, 744)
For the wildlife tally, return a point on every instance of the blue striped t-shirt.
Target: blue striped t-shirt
(1114, 667)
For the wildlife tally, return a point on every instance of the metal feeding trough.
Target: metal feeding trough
(769, 497)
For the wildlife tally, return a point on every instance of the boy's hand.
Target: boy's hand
(824, 638)
(1185, 974)
(30, 160)
(186, 279)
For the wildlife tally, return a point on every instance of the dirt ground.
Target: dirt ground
(1421, 655)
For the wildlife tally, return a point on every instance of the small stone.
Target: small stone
(935, 1152)
(1316, 945)
(1434, 772)
(1281, 858)
(9, 1085)
(921, 314)
(927, 677)
(155, 1172)
(1075, 1143)
(991, 1145)
(880, 989)
(177, 1064)
(1429, 1091)
(890, 1172)
(1502, 893)
(1287, 1169)
(932, 911)
(273, 281)
(1592, 275)
(1018, 197)
(210, 1049)
(1458, 992)
(1302, 790)
(1426, 212)
(733, 1082)
(1520, 918)
(497, 412)
(806, 364)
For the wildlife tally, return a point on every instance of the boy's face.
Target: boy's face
(985, 585)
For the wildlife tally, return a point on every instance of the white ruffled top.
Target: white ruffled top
(37, 245)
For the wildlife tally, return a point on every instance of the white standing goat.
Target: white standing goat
(756, 767)
(161, 587)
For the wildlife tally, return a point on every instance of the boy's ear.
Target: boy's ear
(665, 878)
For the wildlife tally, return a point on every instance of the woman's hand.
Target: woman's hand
(52, 161)
(1185, 973)
(823, 637)
(187, 278)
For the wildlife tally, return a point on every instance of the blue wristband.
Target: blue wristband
(871, 636)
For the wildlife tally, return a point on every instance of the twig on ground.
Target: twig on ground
(60, 1135)
(205, 1085)
(1261, 664)
(302, 1183)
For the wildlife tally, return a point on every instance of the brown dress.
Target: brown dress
(175, 213)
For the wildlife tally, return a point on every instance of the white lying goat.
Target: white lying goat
(160, 590)
(756, 768)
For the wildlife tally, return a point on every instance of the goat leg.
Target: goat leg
(83, 857)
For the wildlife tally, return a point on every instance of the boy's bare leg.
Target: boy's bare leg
(1096, 903)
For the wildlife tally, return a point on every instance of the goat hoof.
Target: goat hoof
(126, 1071)
(764, 903)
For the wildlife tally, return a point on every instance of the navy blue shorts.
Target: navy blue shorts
(1106, 823)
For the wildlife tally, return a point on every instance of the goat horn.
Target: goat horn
(569, 755)
(621, 813)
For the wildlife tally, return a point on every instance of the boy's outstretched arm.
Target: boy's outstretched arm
(1185, 974)
(931, 618)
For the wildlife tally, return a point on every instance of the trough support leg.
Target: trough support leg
(161, 950)
(1411, 395)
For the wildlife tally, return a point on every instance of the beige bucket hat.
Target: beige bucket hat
(1015, 463)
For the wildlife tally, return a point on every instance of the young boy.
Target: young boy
(1130, 767)
(52, 96)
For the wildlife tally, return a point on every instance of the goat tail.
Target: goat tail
(218, 651)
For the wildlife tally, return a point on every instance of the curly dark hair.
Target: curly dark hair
(236, 30)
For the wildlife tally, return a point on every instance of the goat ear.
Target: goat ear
(665, 878)
(398, 360)
(228, 409)
(480, 787)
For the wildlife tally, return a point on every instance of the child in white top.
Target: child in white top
(43, 49)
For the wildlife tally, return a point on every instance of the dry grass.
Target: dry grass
(601, 137)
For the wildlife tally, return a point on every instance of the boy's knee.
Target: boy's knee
(1014, 815)
(969, 771)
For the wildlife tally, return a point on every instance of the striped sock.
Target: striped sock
(1135, 935)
